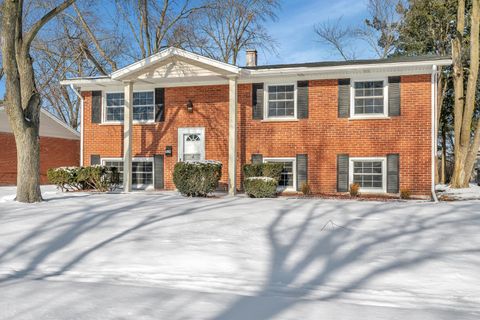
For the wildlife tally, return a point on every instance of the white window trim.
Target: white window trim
(104, 108)
(384, 173)
(140, 159)
(265, 99)
(294, 164)
(383, 115)
(190, 130)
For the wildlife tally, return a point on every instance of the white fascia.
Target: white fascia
(173, 52)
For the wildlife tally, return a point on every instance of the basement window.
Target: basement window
(142, 171)
(287, 180)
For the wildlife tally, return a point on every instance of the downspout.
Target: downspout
(81, 121)
(434, 128)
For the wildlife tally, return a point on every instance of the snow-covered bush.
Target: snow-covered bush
(197, 178)
(267, 169)
(260, 187)
(96, 177)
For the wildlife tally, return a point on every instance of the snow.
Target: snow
(157, 255)
(448, 193)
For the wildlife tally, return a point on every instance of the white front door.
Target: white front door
(191, 144)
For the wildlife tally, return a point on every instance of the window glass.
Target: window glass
(281, 101)
(369, 98)
(114, 109)
(286, 178)
(368, 174)
(142, 171)
(143, 106)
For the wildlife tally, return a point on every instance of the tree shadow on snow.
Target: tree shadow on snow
(336, 251)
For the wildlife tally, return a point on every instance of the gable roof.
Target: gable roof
(50, 126)
(174, 53)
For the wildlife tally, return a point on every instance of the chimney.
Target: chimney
(251, 58)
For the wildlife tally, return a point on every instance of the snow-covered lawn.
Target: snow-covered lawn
(162, 256)
(447, 193)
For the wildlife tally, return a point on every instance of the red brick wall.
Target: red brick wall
(322, 136)
(54, 152)
(210, 105)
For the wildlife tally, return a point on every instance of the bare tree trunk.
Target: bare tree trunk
(465, 149)
(443, 177)
(22, 98)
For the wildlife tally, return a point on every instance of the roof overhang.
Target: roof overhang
(182, 68)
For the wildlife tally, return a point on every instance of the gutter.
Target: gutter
(81, 121)
(434, 128)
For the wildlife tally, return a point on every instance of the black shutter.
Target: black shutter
(96, 106)
(394, 96)
(302, 170)
(159, 104)
(257, 158)
(342, 172)
(343, 98)
(302, 99)
(393, 181)
(94, 159)
(257, 101)
(159, 173)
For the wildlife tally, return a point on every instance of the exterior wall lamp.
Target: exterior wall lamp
(190, 106)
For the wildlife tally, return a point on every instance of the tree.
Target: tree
(465, 76)
(226, 27)
(379, 31)
(425, 29)
(22, 97)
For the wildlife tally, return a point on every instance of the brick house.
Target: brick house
(59, 146)
(330, 123)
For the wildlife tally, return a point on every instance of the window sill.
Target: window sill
(280, 120)
(382, 117)
(121, 123)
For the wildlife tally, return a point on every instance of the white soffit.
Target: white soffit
(50, 126)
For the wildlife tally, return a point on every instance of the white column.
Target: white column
(127, 136)
(232, 136)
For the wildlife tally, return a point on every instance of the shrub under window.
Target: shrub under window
(197, 178)
(260, 187)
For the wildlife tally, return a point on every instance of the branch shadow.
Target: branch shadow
(340, 247)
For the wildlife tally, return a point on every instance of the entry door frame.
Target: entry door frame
(191, 130)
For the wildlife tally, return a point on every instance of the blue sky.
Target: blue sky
(293, 31)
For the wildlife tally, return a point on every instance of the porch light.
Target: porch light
(190, 106)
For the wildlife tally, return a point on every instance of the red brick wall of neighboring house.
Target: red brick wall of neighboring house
(54, 152)
(322, 136)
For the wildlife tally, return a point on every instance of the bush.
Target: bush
(65, 178)
(99, 178)
(267, 169)
(197, 178)
(305, 189)
(405, 194)
(252, 170)
(84, 178)
(272, 170)
(260, 187)
(354, 189)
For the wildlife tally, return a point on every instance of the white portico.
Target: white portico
(172, 68)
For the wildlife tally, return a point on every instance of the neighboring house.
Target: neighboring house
(59, 146)
(330, 123)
